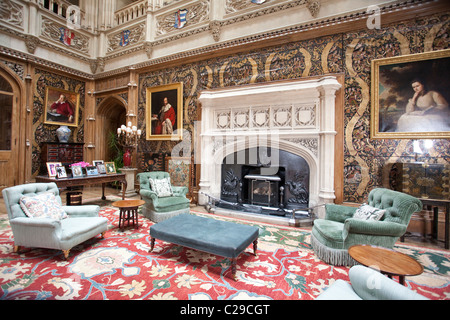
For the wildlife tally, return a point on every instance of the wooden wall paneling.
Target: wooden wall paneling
(90, 123)
(339, 142)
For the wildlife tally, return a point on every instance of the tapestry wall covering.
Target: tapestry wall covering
(366, 161)
(45, 132)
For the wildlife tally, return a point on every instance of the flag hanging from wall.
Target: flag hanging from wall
(180, 18)
(124, 38)
(66, 36)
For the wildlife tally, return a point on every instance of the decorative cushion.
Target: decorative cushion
(366, 212)
(161, 187)
(44, 205)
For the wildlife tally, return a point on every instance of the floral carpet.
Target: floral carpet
(120, 267)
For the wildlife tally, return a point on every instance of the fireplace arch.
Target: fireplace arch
(240, 146)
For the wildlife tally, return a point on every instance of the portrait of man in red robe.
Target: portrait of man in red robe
(165, 119)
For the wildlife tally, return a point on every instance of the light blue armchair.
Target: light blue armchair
(81, 223)
(368, 284)
(159, 208)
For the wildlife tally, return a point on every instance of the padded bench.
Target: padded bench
(213, 236)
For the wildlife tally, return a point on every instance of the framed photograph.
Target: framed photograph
(77, 171)
(110, 167)
(410, 96)
(61, 107)
(51, 168)
(91, 171)
(164, 112)
(101, 168)
(96, 162)
(61, 172)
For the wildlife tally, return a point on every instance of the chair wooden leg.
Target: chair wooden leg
(16, 249)
(66, 254)
(103, 234)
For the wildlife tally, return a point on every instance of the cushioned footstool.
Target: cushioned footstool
(213, 236)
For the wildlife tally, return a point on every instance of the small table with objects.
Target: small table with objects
(128, 212)
(387, 261)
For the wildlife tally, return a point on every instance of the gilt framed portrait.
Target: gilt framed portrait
(61, 107)
(410, 96)
(164, 112)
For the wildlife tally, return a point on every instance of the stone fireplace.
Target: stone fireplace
(269, 145)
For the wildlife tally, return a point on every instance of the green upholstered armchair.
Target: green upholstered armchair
(159, 208)
(64, 228)
(331, 237)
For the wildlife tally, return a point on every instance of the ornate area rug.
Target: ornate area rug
(120, 267)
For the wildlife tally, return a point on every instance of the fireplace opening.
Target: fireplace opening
(263, 190)
(276, 182)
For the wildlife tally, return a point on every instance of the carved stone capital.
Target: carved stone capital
(214, 27)
(31, 42)
(313, 7)
(148, 47)
(97, 65)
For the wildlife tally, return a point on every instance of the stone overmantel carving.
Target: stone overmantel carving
(295, 116)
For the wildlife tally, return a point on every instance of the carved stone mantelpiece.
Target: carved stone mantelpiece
(294, 116)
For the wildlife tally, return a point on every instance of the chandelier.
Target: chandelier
(128, 136)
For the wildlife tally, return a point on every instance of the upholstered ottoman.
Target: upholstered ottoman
(221, 238)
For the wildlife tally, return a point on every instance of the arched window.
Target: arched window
(6, 106)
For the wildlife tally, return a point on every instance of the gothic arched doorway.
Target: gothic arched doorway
(111, 114)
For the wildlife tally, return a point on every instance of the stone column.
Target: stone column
(129, 176)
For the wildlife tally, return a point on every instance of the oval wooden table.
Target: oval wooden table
(128, 211)
(387, 261)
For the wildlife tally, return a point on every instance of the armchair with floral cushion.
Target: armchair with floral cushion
(380, 222)
(39, 220)
(162, 200)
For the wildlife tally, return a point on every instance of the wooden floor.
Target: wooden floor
(90, 193)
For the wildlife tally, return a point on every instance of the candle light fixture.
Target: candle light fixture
(128, 137)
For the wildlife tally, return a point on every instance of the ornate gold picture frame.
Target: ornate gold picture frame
(410, 96)
(61, 107)
(164, 112)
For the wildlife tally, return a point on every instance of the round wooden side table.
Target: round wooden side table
(387, 261)
(128, 211)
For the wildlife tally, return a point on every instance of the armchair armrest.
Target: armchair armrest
(148, 194)
(180, 191)
(338, 213)
(82, 211)
(35, 223)
(382, 287)
(371, 227)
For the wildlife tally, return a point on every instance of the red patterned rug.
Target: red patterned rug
(120, 267)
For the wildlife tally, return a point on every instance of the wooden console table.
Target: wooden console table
(88, 180)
